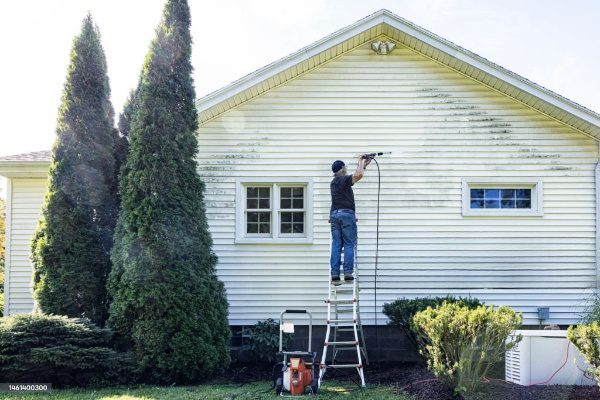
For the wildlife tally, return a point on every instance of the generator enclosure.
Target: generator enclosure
(545, 357)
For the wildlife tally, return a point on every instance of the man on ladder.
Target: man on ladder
(343, 219)
(344, 328)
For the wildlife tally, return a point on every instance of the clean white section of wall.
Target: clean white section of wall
(27, 196)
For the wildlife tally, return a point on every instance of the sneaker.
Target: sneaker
(348, 278)
(336, 280)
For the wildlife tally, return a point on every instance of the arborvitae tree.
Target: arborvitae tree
(72, 244)
(168, 304)
(124, 127)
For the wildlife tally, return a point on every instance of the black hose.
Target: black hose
(376, 254)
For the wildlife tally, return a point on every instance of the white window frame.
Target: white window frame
(276, 236)
(537, 197)
(269, 210)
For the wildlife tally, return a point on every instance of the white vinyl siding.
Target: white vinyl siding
(441, 128)
(25, 202)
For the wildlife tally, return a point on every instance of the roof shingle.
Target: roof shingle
(36, 156)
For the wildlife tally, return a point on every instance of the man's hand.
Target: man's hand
(360, 169)
(367, 162)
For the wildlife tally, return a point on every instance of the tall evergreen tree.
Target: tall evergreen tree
(72, 244)
(168, 304)
(125, 119)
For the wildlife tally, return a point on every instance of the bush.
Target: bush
(60, 350)
(263, 342)
(461, 344)
(591, 313)
(401, 311)
(585, 338)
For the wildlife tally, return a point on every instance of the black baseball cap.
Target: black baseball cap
(337, 165)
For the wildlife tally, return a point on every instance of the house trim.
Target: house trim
(24, 169)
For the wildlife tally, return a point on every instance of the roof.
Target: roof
(26, 165)
(39, 156)
(385, 23)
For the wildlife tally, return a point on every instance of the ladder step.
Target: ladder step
(342, 343)
(343, 366)
(345, 348)
(341, 301)
(350, 329)
(341, 321)
(343, 289)
(344, 311)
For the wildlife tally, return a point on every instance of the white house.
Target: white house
(490, 189)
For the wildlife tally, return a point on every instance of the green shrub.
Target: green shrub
(60, 350)
(585, 338)
(401, 311)
(461, 344)
(591, 313)
(263, 341)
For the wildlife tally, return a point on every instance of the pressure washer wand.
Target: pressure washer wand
(373, 155)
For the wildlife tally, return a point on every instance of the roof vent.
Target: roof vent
(383, 48)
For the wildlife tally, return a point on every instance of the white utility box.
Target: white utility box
(538, 357)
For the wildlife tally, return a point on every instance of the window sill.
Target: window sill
(501, 213)
(259, 240)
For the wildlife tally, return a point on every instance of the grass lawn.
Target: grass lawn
(251, 391)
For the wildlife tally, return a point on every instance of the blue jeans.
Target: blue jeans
(343, 235)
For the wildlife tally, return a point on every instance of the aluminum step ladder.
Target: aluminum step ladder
(344, 328)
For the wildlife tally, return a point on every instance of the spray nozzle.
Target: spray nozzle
(373, 155)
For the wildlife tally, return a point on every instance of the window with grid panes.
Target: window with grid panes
(275, 210)
(500, 198)
(291, 210)
(258, 210)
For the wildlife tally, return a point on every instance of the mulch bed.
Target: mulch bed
(421, 384)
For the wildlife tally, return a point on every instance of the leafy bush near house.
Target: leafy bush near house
(401, 311)
(263, 342)
(585, 338)
(60, 350)
(461, 344)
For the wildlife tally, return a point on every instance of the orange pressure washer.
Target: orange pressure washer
(299, 368)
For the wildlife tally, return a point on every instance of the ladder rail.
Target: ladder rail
(335, 321)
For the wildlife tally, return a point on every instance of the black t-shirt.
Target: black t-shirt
(342, 196)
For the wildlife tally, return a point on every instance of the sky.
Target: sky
(551, 42)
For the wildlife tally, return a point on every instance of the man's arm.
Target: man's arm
(360, 169)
